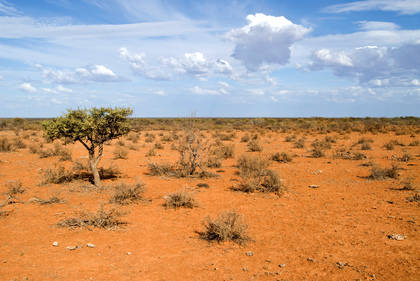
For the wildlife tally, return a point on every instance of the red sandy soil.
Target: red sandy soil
(348, 219)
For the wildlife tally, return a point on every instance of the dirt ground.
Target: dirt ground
(338, 231)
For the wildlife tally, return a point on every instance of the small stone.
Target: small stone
(216, 268)
(282, 265)
(398, 237)
(249, 253)
(71, 248)
(90, 245)
(340, 265)
(55, 244)
(129, 253)
(311, 260)
(314, 186)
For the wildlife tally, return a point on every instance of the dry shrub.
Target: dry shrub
(101, 219)
(317, 152)
(257, 177)
(378, 173)
(151, 152)
(366, 146)
(160, 169)
(15, 188)
(53, 199)
(406, 157)
(290, 138)
(57, 175)
(128, 194)
(415, 197)
(225, 151)
(300, 143)
(246, 138)
(120, 152)
(56, 150)
(408, 184)
(317, 144)
(214, 162)
(19, 143)
(158, 145)
(5, 145)
(134, 137)
(415, 143)
(282, 157)
(180, 199)
(254, 145)
(229, 226)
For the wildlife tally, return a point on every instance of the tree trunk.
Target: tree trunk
(94, 161)
(94, 168)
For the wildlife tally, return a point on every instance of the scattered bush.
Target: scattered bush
(160, 169)
(378, 173)
(214, 162)
(225, 151)
(290, 138)
(53, 199)
(15, 187)
(257, 177)
(19, 143)
(101, 219)
(408, 184)
(415, 143)
(229, 226)
(57, 175)
(158, 145)
(366, 146)
(134, 137)
(246, 138)
(120, 152)
(254, 145)
(127, 194)
(300, 143)
(282, 157)
(151, 152)
(5, 145)
(406, 157)
(317, 153)
(180, 199)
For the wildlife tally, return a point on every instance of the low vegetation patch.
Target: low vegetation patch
(378, 173)
(128, 194)
(180, 199)
(257, 177)
(107, 219)
(15, 187)
(254, 145)
(282, 157)
(229, 226)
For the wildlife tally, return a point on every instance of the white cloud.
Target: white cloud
(224, 84)
(408, 7)
(191, 64)
(378, 25)
(199, 91)
(91, 73)
(265, 40)
(27, 87)
(1, 78)
(371, 63)
(8, 9)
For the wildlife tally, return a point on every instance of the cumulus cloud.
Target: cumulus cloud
(408, 7)
(377, 65)
(265, 40)
(27, 87)
(191, 64)
(91, 73)
(200, 91)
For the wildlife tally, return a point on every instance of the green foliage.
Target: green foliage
(92, 128)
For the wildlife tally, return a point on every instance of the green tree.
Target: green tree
(92, 128)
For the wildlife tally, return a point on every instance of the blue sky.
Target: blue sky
(251, 58)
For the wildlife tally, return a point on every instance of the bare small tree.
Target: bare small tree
(192, 146)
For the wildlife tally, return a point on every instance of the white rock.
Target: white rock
(90, 245)
(55, 244)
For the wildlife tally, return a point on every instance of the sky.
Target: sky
(218, 58)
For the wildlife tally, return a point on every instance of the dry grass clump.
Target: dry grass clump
(300, 143)
(6, 145)
(257, 177)
(180, 199)
(158, 145)
(19, 143)
(53, 199)
(110, 219)
(415, 197)
(160, 169)
(133, 137)
(406, 157)
(246, 138)
(56, 150)
(229, 226)
(128, 194)
(414, 143)
(282, 157)
(254, 145)
(408, 184)
(224, 151)
(15, 187)
(378, 173)
(317, 152)
(213, 162)
(151, 152)
(120, 152)
(57, 175)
